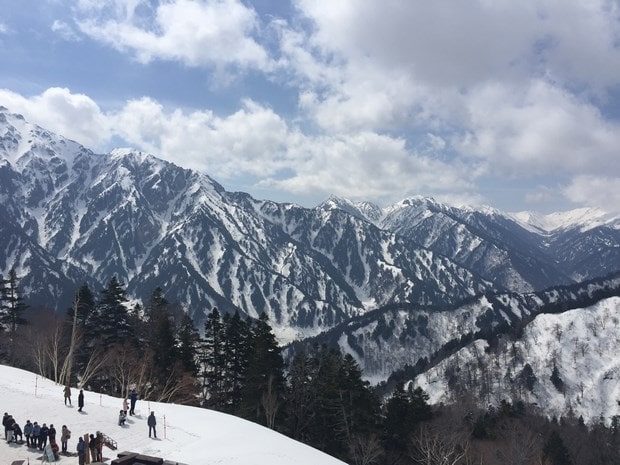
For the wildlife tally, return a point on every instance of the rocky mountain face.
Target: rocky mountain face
(68, 216)
(406, 342)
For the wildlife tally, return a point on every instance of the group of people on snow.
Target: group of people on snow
(37, 436)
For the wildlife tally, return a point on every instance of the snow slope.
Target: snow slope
(584, 344)
(189, 435)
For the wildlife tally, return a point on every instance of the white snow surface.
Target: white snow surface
(583, 343)
(188, 435)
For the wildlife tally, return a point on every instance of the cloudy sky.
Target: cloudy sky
(513, 104)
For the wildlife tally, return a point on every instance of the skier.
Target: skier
(81, 400)
(65, 435)
(67, 392)
(133, 397)
(152, 422)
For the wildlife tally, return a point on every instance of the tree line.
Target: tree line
(319, 397)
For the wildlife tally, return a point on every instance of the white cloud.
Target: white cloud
(250, 141)
(196, 33)
(3, 28)
(75, 116)
(595, 191)
(538, 130)
(65, 31)
(366, 165)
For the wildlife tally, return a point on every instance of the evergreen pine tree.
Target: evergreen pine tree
(398, 425)
(264, 383)
(236, 353)
(213, 362)
(188, 339)
(111, 320)
(13, 305)
(301, 396)
(160, 333)
(555, 451)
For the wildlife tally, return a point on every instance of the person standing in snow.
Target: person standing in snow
(43, 432)
(52, 433)
(5, 417)
(125, 406)
(67, 392)
(8, 428)
(152, 422)
(92, 445)
(28, 433)
(99, 442)
(65, 434)
(36, 435)
(133, 397)
(81, 400)
(81, 450)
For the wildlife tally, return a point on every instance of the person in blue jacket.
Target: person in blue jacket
(133, 397)
(81, 450)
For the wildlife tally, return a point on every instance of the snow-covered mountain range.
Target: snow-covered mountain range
(70, 216)
(402, 287)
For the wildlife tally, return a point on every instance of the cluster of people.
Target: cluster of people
(12, 429)
(95, 446)
(37, 436)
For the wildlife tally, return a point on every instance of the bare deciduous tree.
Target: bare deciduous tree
(365, 449)
(439, 448)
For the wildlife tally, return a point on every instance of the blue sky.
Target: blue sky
(515, 105)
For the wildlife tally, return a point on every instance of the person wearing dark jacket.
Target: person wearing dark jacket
(52, 433)
(133, 397)
(5, 417)
(17, 431)
(81, 400)
(92, 445)
(152, 422)
(8, 427)
(43, 436)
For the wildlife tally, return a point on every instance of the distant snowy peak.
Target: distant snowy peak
(582, 218)
(364, 210)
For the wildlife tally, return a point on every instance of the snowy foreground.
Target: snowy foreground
(188, 435)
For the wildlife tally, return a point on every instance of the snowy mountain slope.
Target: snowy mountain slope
(396, 340)
(583, 344)
(189, 435)
(153, 224)
(518, 252)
